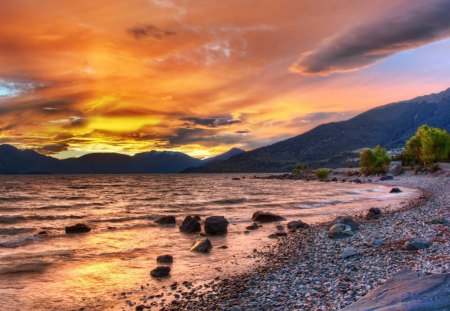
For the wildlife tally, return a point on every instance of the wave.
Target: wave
(230, 201)
(29, 267)
(19, 218)
(14, 231)
(18, 242)
(124, 219)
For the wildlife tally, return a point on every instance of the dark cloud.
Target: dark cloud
(243, 132)
(204, 137)
(143, 31)
(419, 23)
(318, 117)
(54, 148)
(212, 122)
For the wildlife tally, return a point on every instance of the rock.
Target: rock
(165, 259)
(202, 246)
(297, 224)
(387, 177)
(395, 168)
(280, 233)
(78, 228)
(42, 233)
(348, 252)
(215, 225)
(395, 190)
(266, 217)
(415, 244)
(160, 272)
(439, 221)
(223, 247)
(346, 220)
(272, 236)
(140, 308)
(377, 241)
(190, 225)
(197, 217)
(339, 231)
(408, 290)
(373, 213)
(253, 226)
(334, 179)
(235, 178)
(166, 220)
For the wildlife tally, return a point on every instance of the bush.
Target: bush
(429, 145)
(299, 168)
(322, 173)
(374, 161)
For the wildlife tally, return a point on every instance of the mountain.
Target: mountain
(328, 144)
(15, 161)
(217, 159)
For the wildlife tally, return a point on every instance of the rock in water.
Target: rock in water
(160, 272)
(166, 220)
(190, 225)
(395, 190)
(215, 225)
(202, 246)
(339, 231)
(164, 259)
(349, 252)
(266, 217)
(346, 220)
(78, 228)
(373, 213)
(253, 226)
(415, 244)
(408, 290)
(297, 224)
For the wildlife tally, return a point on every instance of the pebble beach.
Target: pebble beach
(307, 270)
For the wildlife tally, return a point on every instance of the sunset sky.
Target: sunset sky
(203, 76)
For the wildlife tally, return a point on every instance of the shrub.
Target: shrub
(429, 145)
(374, 161)
(299, 168)
(322, 173)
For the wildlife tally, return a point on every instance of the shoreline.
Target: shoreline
(304, 270)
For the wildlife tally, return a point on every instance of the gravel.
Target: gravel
(306, 271)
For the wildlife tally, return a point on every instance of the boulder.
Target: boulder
(415, 244)
(160, 272)
(297, 224)
(373, 213)
(266, 217)
(346, 220)
(165, 259)
(395, 168)
(166, 220)
(78, 228)
(215, 225)
(190, 225)
(202, 246)
(395, 190)
(408, 290)
(339, 231)
(253, 226)
(349, 252)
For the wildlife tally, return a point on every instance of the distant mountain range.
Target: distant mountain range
(15, 161)
(330, 145)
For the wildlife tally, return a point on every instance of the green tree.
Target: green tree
(374, 161)
(428, 145)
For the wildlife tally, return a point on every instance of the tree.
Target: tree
(428, 145)
(374, 161)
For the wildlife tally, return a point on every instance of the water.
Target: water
(57, 271)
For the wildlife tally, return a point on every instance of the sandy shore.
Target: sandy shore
(305, 271)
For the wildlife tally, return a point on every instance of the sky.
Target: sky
(201, 76)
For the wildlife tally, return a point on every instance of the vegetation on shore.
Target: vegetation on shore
(374, 161)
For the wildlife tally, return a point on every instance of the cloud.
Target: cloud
(54, 148)
(212, 122)
(417, 24)
(143, 31)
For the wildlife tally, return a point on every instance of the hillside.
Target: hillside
(389, 126)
